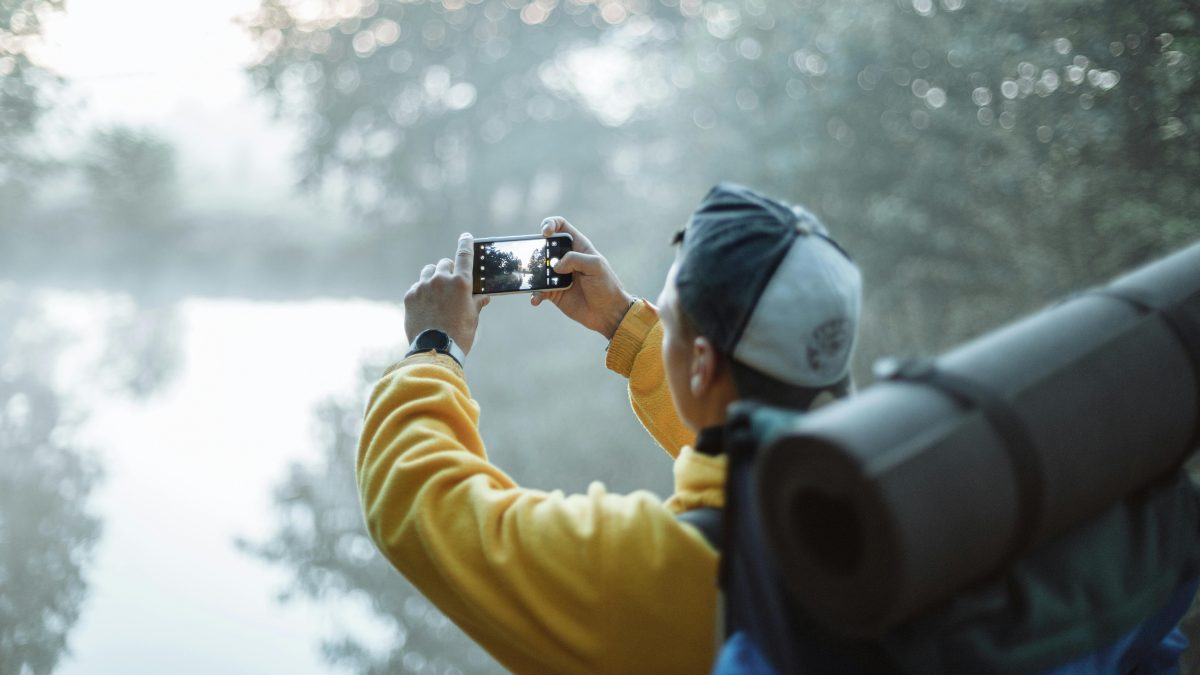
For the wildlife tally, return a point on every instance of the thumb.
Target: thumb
(584, 263)
(482, 302)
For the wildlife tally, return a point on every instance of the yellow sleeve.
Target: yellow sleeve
(547, 583)
(636, 353)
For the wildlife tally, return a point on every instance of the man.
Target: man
(759, 303)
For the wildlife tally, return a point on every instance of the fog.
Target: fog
(210, 211)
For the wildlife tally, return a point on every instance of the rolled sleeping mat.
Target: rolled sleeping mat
(882, 505)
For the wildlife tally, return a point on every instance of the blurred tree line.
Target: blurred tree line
(978, 159)
(1010, 150)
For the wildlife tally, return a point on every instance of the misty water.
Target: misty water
(191, 469)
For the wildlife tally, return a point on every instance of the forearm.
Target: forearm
(636, 353)
(545, 582)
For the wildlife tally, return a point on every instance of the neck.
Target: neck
(716, 404)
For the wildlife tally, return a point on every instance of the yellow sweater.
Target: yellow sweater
(546, 582)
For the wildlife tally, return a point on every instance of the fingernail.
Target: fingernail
(464, 234)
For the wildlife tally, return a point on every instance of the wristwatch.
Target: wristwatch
(436, 340)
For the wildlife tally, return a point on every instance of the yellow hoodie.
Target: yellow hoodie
(546, 582)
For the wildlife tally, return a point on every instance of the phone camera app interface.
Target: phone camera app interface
(520, 265)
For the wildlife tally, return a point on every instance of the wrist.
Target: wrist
(437, 340)
(618, 316)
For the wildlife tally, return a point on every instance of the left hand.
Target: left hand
(595, 298)
(442, 298)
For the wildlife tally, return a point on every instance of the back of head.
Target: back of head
(766, 284)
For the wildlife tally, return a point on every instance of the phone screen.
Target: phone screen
(516, 264)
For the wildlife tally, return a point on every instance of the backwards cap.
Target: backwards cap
(763, 281)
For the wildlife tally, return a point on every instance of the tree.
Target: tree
(442, 114)
(503, 261)
(25, 94)
(536, 266)
(131, 174)
(985, 157)
(999, 151)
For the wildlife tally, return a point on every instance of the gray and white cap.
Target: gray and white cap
(764, 281)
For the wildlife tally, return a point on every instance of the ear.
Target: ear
(705, 363)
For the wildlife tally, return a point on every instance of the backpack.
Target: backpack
(1018, 505)
(1119, 581)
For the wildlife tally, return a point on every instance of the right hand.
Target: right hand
(442, 298)
(595, 297)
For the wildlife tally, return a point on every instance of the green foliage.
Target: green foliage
(437, 115)
(990, 150)
(22, 85)
(504, 262)
(536, 263)
(995, 152)
(26, 93)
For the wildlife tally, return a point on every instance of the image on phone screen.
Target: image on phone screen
(520, 264)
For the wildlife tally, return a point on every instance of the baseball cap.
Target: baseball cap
(765, 282)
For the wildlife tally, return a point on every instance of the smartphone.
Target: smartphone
(520, 264)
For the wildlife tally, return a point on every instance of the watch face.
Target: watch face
(432, 339)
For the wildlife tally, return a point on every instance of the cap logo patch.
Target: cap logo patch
(827, 346)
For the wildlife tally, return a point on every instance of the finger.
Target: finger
(584, 263)
(535, 299)
(445, 266)
(427, 272)
(465, 254)
(482, 302)
(557, 225)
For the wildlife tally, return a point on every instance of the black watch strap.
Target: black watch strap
(437, 341)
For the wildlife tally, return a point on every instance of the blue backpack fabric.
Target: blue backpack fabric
(1143, 651)
(1104, 597)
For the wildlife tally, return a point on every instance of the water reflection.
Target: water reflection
(191, 467)
(47, 530)
(321, 538)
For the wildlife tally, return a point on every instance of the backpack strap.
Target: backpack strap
(756, 602)
(1013, 433)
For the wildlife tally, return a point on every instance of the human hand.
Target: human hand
(595, 297)
(442, 298)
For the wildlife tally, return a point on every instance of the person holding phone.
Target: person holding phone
(760, 303)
